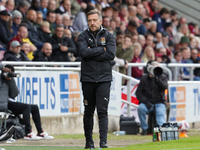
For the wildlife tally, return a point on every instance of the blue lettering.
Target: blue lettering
(195, 91)
(28, 90)
(34, 92)
(40, 101)
(21, 94)
(173, 94)
(53, 93)
(46, 80)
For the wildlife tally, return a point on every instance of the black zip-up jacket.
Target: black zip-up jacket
(95, 61)
(40, 56)
(57, 54)
(145, 90)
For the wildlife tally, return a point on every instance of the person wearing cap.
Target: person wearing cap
(17, 19)
(15, 54)
(6, 35)
(185, 41)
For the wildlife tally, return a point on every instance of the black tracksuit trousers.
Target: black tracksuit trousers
(26, 109)
(96, 95)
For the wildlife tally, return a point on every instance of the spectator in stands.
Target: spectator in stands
(147, 23)
(158, 37)
(52, 5)
(177, 59)
(58, 19)
(149, 40)
(108, 11)
(182, 21)
(123, 14)
(184, 41)
(25, 48)
(141, 40)
(195, 59)
(137, 72)
(17, 19)
(43, 8)
(22, 36)
(61, 45)
(193, 43)
(132, 27)
(68, 33)
(186, 59)
(32, 30)
(6, 35)
(135, 38)
(39, 19)
(120, 37)
(132, 11)
(153, 7)
(147, 101)
(10, 92)
(148, 54)
(23, 7)
(35, 5)
(106, 22)
(153, 28)
(125, 51)
(161, 18)
(182, 31)
(44, 31)
(173, 15)
(51, 18)
(75, 35)
(15, 54)
(44, 54)
(10, 5)
(80, 22)
(67, 22)
(168, 30)
(140, 8)
(65, 7)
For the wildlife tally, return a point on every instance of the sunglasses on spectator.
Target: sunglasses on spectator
(18, 18)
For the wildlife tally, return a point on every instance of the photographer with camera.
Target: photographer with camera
(150, 93)
(8, 91)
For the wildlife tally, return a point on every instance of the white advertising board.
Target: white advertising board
(59, 93)
(184, 97)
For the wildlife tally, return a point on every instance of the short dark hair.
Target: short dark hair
(173, 13)
(146, 20)
(164, 11)
(50, 11)
(94, 11)
(22, 25)
(59, 26)
(183, 48)
(176, 52)
(129, 36)
(120, 33)
(132, 23)
(10, 67)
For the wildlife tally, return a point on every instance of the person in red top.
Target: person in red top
(137, 71)
(153, 7)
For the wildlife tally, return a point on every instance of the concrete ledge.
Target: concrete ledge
(72, 124)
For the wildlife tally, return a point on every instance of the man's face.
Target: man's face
(26, 48)
(52, 17)
(44, 3)
(66, 21)
(68, 33)
(58, 19)
(59, 32)
(10, 6)
(39, 18)
(36, 3)
(154, 4)
(52, 5)
(153, 28)
(132, 29)
(149, 40)
(94, 22)
(18, 20)
(120, 38)
(194, 53)
(16, 50)
(32, 16)
(127, 42)
(67, 5)
(47, 49)
(5, 18)
(140, 9)
(159, 37)
(147, 25)
(23, 32)
(106, 22)
(135, 38)
(24, 9)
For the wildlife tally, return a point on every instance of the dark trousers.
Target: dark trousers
(25, 109)
(96, 95)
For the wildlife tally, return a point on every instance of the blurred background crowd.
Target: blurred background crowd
(47, 30)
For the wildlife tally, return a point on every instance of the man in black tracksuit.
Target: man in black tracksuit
(97, 48)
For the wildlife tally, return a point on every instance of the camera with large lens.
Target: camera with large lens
(155, 70)
(11, 75)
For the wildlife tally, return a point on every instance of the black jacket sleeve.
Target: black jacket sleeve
(110, 52)
(71, 47)
(140, 94)
(13, 89)
(86, 52)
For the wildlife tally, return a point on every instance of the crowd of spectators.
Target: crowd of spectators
(47, 30)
